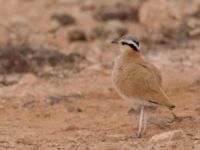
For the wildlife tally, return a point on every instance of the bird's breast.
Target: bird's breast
(120, 76)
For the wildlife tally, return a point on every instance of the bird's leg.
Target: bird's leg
(145, 118)
(141, 122)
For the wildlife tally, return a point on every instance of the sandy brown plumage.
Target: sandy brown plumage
(137, 80)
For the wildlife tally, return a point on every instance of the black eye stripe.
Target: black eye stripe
(124, 43)
(137, 43)
(131, 45)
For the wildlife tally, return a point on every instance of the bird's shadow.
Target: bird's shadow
(136, 111)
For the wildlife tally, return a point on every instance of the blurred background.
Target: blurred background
(56, 63)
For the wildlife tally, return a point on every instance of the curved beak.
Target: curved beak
(114, 41)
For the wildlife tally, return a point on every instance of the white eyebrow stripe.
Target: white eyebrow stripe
(133, 43)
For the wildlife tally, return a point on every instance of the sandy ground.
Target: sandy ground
(83, 111)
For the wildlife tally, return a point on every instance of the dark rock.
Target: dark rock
(111, 29)
(76, 35)
(64, 19)
(76, 95)
(133, 111)
(137, 111)
(163, 21)
(29, 104)
(8, 83)
(72, 96)
(74, 109)
(23, 58)
(193, 25)
(119, 12)
(55, 99)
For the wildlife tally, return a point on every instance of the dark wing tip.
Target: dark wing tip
(171, 107)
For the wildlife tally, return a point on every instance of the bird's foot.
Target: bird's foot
(175, 118)
(136, 111)
(139, 135)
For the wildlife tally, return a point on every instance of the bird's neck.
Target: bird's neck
(129, 55)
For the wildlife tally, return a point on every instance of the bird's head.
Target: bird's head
(128, 43)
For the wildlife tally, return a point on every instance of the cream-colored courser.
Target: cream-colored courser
(136, 80)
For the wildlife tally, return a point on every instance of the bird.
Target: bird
(137, 80)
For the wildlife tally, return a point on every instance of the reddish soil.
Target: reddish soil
(83, 111)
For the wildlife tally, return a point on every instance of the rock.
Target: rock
(118, 12)
(196, 136)
(70, 128)
(111, 29)
(116, 137)
(29, 104)
(136, 111)
(26, 139)
(168, 136)
(194, 33)
(27, 58)
(182, 7)
(74, 109)
(64, 2)
(133, 111)
(162, 20)
(198, 110)
(56, 99)
(76, 95)
(193, 25)
(178, 33)
(116, 28)
(76, 35)
(162, 14)
(89, 6)
(6, 82)
(63, 19)
(54, 26)
(197, 14)
(196, 145)
(99, 32)
(97, 68)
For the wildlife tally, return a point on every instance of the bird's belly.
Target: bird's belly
(121, 83)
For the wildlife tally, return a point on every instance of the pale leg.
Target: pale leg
(145, 121)
(141, 122)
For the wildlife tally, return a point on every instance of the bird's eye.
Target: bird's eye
(137, 42)
(124, 43)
